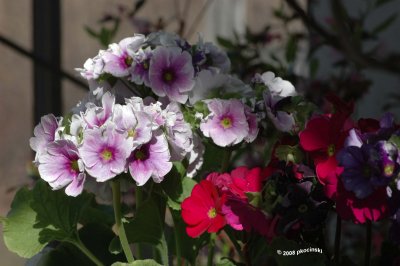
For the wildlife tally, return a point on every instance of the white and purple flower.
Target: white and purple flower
(171, 73)
(61, 166)
(150, 160)
(104, 152)
(140, 72)
(227, 123)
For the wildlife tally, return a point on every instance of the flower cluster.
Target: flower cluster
(222, 199)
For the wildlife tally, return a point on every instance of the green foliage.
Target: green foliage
(289, 153)
(148, 227)
(138, 263)
(228, 262)
(177, 186)
(39, 216)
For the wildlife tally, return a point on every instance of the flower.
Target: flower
(210, 57)
(61, 166)
(278, 87)
(44, 133)
(118, 59)
(202, 210)
(150, 160)
(104, 152)
(227, 123)
(195, 157)
(97, 116)
(323, 137)
(171, 73)
(92, 68)
(140, 72)
(246, 180)
(282, 120)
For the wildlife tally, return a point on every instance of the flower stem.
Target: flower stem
(226, 159)
(78, 243)
(177, 240)
(211, 245)
(337, 240)
(116, 191)
(369, 241)
(138, 200)
(235, 243)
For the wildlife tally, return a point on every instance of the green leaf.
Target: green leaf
(20, 235)
(225, 43)
(255, 198)
(291, 49)
(177, 187)
(190, 247)
(228, 262)
(395, 140)
(288, 252)
(57, 213)
(289, 153)
(384, 24)
(138, 263)
(148, 227)
(97, 213)
(314, 64)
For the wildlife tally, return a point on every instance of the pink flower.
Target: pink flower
(118, 58)
(150, 160)
(61, 166)
(104, 152)
(44, 133)
(227, 123)
(202, 210)
(97, 116)
(171, 73)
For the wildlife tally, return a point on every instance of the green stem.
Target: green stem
(116, 191)
(78, 243)
(139, 200)
(337, 240)
(235, 243)
(226, 159)
(369, 241)
(177, 240)
(211, 245)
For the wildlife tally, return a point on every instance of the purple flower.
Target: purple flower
(61, 166)
(368, 167)
(195, 157)
(104, 152)
(140, 72)
(118, 58)
(208, 56)
(283, 121)
(171, 73)
(97, 116)
(44, 133)
(253, 125)
(150, 160)
(227, 123)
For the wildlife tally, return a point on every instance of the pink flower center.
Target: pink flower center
(106, 154)
(145, 64)
(331, 150)
(226, 122)
(212, 213)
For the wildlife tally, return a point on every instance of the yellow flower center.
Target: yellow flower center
(168, 76)
(75, 166)
(302, 208)
(128, 61)
(226, 122)
(146, 64)
(388, 169)
(131, 133)
(106, 154)
(212, 213)
(331, 150)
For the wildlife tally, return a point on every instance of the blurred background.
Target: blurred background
(350, 48)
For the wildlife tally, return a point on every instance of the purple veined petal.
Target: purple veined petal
(353, 139)
(115, 65)
(140, 171)
(44, 133)
(75, 188)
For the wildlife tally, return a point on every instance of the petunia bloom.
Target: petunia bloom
(171, 73)
(202, 210)
(150, 160)
(61, 166)
(227, 123)
(104, 152)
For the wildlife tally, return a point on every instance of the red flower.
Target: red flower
(323, 137)
(373, 208)
(246, 180)
(202, 210)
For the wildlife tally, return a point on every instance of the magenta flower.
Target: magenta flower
(150, 160)
(171, 73)
(104, 152)
(61, 166)
(44, 133)
(227, 123)
(118, 58)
